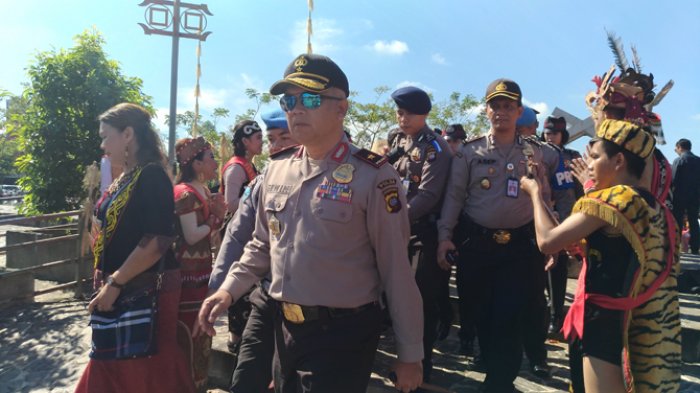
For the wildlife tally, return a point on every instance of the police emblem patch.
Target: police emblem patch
(430, 154)
(391, 199)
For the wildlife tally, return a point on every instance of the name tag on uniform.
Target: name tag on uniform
(513, 187)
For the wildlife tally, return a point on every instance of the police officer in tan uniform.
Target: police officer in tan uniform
(423, 169)
(332, 228)
(499, 246)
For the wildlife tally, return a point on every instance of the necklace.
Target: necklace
(124, 178)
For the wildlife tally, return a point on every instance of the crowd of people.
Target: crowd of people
(330, 240)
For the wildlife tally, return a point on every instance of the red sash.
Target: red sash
(573, 323)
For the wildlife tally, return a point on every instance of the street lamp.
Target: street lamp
(165, 17)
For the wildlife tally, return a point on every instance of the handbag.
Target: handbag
(129, 330)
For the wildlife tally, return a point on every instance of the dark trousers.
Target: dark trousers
(326, 355)
(445, 312)
(254, 368)
(559, 274)
(467, 302)
(683, 208)
(238, 315)
(499, 279)
(429, 277)
(535, 317)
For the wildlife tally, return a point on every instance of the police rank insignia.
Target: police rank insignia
(492, 170)
(391, 199)
(343, 173)
(274, 225)
(415, 154)
(335, 192)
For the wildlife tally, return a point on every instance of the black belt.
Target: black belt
(297, 313)
(504, 236)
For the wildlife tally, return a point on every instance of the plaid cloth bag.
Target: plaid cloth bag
(129, 330)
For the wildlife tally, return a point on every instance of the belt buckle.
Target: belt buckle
(501, 236)
(293, 313)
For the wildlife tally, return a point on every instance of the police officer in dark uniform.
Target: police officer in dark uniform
(423, 168)
(565, 192)
(500, 247)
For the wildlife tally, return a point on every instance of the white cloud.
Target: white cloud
(695, 117)
(439, 59)
(394, 48)
(413, 83)
(229, 94)
(325, 35)
(540, 107)
(208, 98)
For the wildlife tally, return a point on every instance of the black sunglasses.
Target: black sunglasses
(308, 100)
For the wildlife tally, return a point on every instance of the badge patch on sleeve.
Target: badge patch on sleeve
(391, 199)
(430, 154)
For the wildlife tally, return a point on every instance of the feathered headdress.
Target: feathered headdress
(631, 92)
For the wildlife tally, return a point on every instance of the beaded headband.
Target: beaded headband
(189, 150)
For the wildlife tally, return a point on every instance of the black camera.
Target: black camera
(451, 257)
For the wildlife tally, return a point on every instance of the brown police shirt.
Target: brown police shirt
(334, 232)
(423, 169)
(481, 179)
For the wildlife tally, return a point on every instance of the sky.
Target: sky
(552, 48)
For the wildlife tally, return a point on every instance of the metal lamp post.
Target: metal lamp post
(165, 17)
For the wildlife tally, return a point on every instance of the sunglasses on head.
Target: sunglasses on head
(308, 100)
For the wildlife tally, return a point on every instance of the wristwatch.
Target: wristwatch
(110, 281)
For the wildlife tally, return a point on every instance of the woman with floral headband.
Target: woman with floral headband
(624, 324)
(199, 215)
(133, 255)
(239, 170)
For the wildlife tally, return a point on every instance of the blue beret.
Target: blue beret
(528, 118)
(275, 119)
(412, 99)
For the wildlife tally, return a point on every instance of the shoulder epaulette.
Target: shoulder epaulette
(474, 139)
(285, 152)
(429, 136)
(532, 139)
(374, 159)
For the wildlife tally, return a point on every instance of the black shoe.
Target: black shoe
(555, 325)
(466, 347)
(541, 370)
(477, 364)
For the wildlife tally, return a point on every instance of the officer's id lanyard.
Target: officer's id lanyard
(513, 183)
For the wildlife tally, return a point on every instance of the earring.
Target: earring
(126, 156)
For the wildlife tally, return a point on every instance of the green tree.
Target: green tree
(259, 98)
(9, 145)
(458, 109)
(57, 133)
(371, 121)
